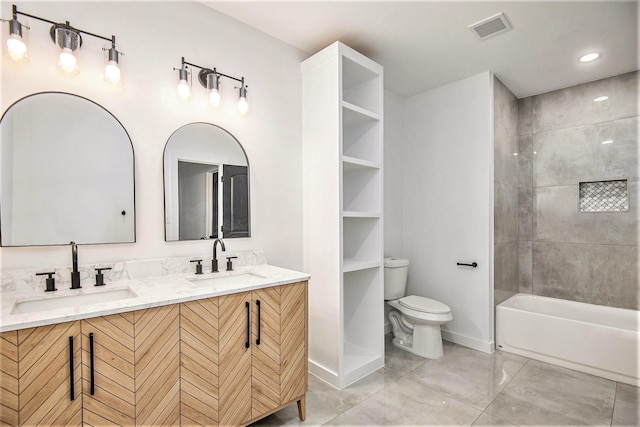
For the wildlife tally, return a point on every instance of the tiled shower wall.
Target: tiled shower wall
(564, 253)
(505, 192)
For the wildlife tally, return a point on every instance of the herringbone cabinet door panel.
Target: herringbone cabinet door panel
(113, 401)
(234, 360)
(157, 365)
(265, 374)
(293, 344)
(44, 369)
(199, 362)
(9, 378)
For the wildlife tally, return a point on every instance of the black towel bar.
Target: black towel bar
(473, 264)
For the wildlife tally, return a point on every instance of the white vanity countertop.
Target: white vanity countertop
(133, 294)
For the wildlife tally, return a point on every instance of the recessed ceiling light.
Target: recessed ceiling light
(589, 57)
(608, 141)
(601, 98)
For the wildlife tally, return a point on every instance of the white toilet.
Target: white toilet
(415, 320)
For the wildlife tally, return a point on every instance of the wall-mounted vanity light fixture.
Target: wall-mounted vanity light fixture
(68, 38)
(210, 80)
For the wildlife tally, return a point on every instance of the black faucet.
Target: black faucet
(75, 274)
(214, 261)
(51, 281)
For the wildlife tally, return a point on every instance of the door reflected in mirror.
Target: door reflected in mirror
(67, 173)
(206, 184)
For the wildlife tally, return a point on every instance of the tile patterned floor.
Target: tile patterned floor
(467, 387)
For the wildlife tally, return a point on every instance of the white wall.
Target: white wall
(154, 35)
(447, 207)
(393, 189)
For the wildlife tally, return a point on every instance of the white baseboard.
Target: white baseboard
(326, 375)
(347, 378)
(476, 344)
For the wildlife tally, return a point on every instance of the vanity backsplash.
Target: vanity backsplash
(26, 280)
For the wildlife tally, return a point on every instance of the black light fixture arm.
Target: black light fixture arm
(207, 70)
(16, 12)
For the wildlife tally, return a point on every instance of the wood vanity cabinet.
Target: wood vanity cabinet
(116, 380)
(41, 376)
(228, 360)
(244, 355)
(135, 361)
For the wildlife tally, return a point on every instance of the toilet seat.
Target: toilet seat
(421, 316)
(425, 305)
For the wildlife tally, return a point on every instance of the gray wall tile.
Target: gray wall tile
(505, 271)
(505, 192)
(590, 257)
(525, 267)
(558, 219)
(525, 160)
(505, 162)
(525, 116)
(505, 214)
(596, 274)
(574, 106)
(569, 156)
(525, 214)
(505, 106)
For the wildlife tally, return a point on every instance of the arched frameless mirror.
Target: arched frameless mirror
(206, 184)
(67, 173)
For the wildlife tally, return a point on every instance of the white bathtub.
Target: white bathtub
(595, 339)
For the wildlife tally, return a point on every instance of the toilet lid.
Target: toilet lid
(395, 262)
(423, 304)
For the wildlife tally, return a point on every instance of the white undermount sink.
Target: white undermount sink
(244, 278)
(32, 305)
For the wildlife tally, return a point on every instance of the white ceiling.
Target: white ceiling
(425, 44)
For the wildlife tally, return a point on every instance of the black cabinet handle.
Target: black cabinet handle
(93, 381)
(72, 395)
(258, 340)
(248, 343)
(473, 264)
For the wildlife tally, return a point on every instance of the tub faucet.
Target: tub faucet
(75, 274)
(214, 261)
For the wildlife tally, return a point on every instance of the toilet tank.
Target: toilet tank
(395, 277)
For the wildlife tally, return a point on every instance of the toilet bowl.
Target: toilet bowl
(415, 320)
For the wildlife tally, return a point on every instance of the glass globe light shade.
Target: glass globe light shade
(112, 72)
(17, 47)
(243, 105)
(214, 98)
(67, 60)
(183, 89)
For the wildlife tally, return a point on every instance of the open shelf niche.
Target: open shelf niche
(360, 135)
(361, 326)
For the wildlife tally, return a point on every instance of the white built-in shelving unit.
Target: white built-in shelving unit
(342, 211)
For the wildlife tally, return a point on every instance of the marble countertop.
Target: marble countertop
(133, 294)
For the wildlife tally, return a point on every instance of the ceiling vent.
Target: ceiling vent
(492, 26)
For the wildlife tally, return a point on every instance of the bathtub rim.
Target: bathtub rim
(504, 306)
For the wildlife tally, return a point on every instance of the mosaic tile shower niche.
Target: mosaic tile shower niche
(604, 196)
